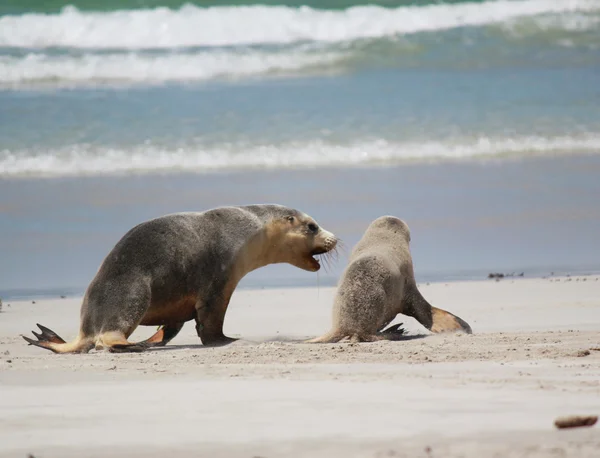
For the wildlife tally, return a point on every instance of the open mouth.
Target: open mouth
(315, 264)
(314, 261)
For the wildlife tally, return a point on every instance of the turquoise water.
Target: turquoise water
(101, 91)
(196, 88)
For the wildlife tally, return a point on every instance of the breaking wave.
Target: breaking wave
(245, 25)
(192, 43)
(88, 160)
(37, 68)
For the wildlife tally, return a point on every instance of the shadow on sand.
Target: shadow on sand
(277, 339)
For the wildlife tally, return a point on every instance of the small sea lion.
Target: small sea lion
(183, 267)
(379, 283)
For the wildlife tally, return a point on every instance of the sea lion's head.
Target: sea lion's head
(390, 225)
(301, 240)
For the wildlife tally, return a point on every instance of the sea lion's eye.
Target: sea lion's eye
(290, 219)
(313, 227)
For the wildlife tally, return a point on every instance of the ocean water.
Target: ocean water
(112, 112)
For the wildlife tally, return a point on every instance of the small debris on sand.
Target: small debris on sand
(575, 421)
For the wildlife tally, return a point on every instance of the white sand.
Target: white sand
(535, 355)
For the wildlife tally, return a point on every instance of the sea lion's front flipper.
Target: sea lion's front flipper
(164, 335)
(394, 332)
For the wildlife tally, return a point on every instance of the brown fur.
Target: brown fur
(178, 311)
(378, 284)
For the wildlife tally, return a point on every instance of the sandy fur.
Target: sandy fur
(377, 285)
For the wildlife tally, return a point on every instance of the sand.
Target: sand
(534, 356)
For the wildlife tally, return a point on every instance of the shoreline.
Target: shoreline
(21, 294)
(466, 220)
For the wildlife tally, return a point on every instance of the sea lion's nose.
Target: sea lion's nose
(330, 240)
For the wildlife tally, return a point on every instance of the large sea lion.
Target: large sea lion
(183, 267)
(378, 284)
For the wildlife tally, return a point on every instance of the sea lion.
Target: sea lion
(379, 283)
(185, 266)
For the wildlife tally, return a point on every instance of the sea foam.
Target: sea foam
(92, 160)
(191, 26)
(89, 69)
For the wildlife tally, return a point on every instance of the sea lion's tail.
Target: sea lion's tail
(49, 340)
(444, 321)
(330, 337)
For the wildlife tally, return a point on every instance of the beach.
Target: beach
(476, 122)
(534, 356)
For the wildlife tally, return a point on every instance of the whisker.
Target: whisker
(323, 260)
(332, 259)
(318, 284)
(336, 254)
(327, 262)
(341, 246)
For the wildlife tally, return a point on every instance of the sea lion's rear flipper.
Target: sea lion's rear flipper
(433, 318)
(49, 340)
(444, 321)
(163, 336)
(47, 335)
